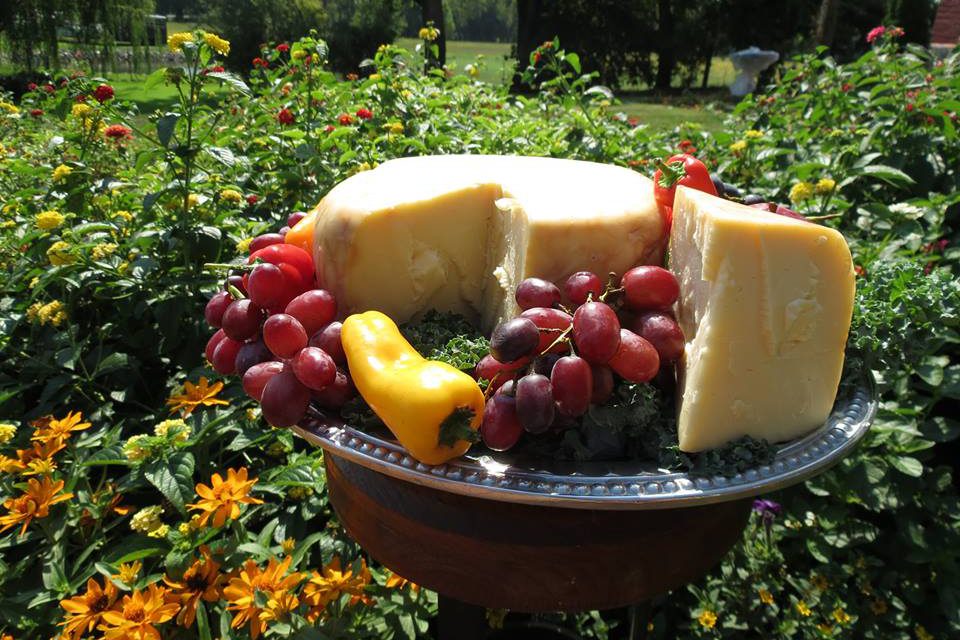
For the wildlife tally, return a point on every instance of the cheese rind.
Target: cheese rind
(458, 233)
(765, 308)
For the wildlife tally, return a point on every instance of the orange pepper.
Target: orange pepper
(301, 235)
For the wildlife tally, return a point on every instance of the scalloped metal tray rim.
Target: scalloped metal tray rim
(486, 477)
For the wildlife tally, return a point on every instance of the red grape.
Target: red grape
(496, 372)
(546, 318)
(314, 368)
(580, 285)
(314, 309)
(252, 353)
(266, 285)
(663, 332)
(328, 339)
(501, 427)
(285, 400)
(636, 359)
(596, 332)
(514, 339)
(649, 287)
(284, 335)
(572, 382)
(265, 240)
(295, 217)
(225, 356)
(602, 383)
(241, 320)
(535, 406)
(288, 253)
(282, 231)
(337, 394)
(212, 343)
(213, 312)
(295, 285)
(544, 364)
(535, 292)
(256, 377)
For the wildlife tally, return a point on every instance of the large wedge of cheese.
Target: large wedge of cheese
(458, 233)
(765, 308)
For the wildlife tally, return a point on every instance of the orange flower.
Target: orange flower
(39, 451)
(242, 593)
(279, 605)
(399, 582)
(201, 581)
(137, 614)
(34, 503)
(84, 611)
(326, 587)
(222, 500)
(195, 395)
(52, 428)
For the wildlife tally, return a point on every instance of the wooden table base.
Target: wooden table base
(528, 558)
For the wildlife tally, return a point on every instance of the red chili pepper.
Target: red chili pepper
(681, 169)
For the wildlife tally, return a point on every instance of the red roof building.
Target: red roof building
(946, 26)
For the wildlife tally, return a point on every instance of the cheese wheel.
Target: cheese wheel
(765, 309)
(458, 233)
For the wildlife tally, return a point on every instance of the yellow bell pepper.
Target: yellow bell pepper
(432, 408)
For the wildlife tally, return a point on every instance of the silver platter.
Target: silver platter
(606, 485)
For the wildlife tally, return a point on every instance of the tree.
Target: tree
(827, 22)
(432, 13)
(666, 45)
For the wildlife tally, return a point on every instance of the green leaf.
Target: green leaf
(574, 61)
(155, 78)
(887, 174)
(112, 362)
(222, 155)
(166, 125)
(203, 624)
(173, 477)
(231, 79)
(906, 465)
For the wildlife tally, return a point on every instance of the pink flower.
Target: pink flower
(117, 133)
(364, 114)
(285, 116)
(283, 47)
(875, 33)
(253, 199)
(49, 88)
(31, 86)
(103, 93)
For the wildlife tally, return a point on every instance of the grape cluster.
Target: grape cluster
(277, 331)
(561, 354)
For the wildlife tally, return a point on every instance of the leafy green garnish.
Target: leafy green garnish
(447, 337)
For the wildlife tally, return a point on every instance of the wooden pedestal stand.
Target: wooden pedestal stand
(486, 553)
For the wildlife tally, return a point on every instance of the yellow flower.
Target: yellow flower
(288, 545)
(878, 606)
(232, 196)
(53, 428)
(192, 200)
(61, 172)
(298, 54)
(217, 43)
(81, 110)
(126, 216)
(48, 220)
(753, 134)
(375, 76)
(801, 191)
(85, 611)
(195, 395)
(802, 608)
(922, 633)
(841, 616)
(201, 581)
(825, 186)
(183, 528)
(133, 450)
(472, 70)
(244, 245)
(147, 519)
(9, 107)
(399, 582)
(396, 128)
(249, 584)
(7, 431)
(739, 146)
(179, 429)
(176, 40)
(823, 627)
(765, 596)
(35, 502)
(707, 619)
(222, 499)
(326, 587)
(429, 33)
(128, 573)
(103, 250)
(40, 467)
(59, 254)
(137, 614)
(159, 532)
(50, 313)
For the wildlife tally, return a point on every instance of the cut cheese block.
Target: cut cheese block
(458, 233)
(765, 306)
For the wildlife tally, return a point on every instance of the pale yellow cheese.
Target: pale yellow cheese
(765, 308)
(458, 233)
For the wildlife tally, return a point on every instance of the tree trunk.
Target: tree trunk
(827, 22)
(531, 30)
(708, 61)
(666, 59)
(433, 12)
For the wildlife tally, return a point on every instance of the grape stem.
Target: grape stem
(220, 266)
(560, 338)
(826, 217)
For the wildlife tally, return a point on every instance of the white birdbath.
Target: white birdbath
(749, 63)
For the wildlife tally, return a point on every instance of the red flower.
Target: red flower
(285, 116)
(911, 106)
(687, 146)
(364, 114)
(632, 121)
(260, 62)
(31, 86)
(283, 47)
(215, 69)
(536, 57)
(103, 93)
(117, 133)
(846, 87)
(80, 98)
(860, 271)
(36, 113)
(329, 128)
(253, 199)
(875, 33)
(49, 88)
(345, 119)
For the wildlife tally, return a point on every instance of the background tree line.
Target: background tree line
(656, 43)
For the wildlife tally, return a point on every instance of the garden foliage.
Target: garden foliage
(198, 519)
